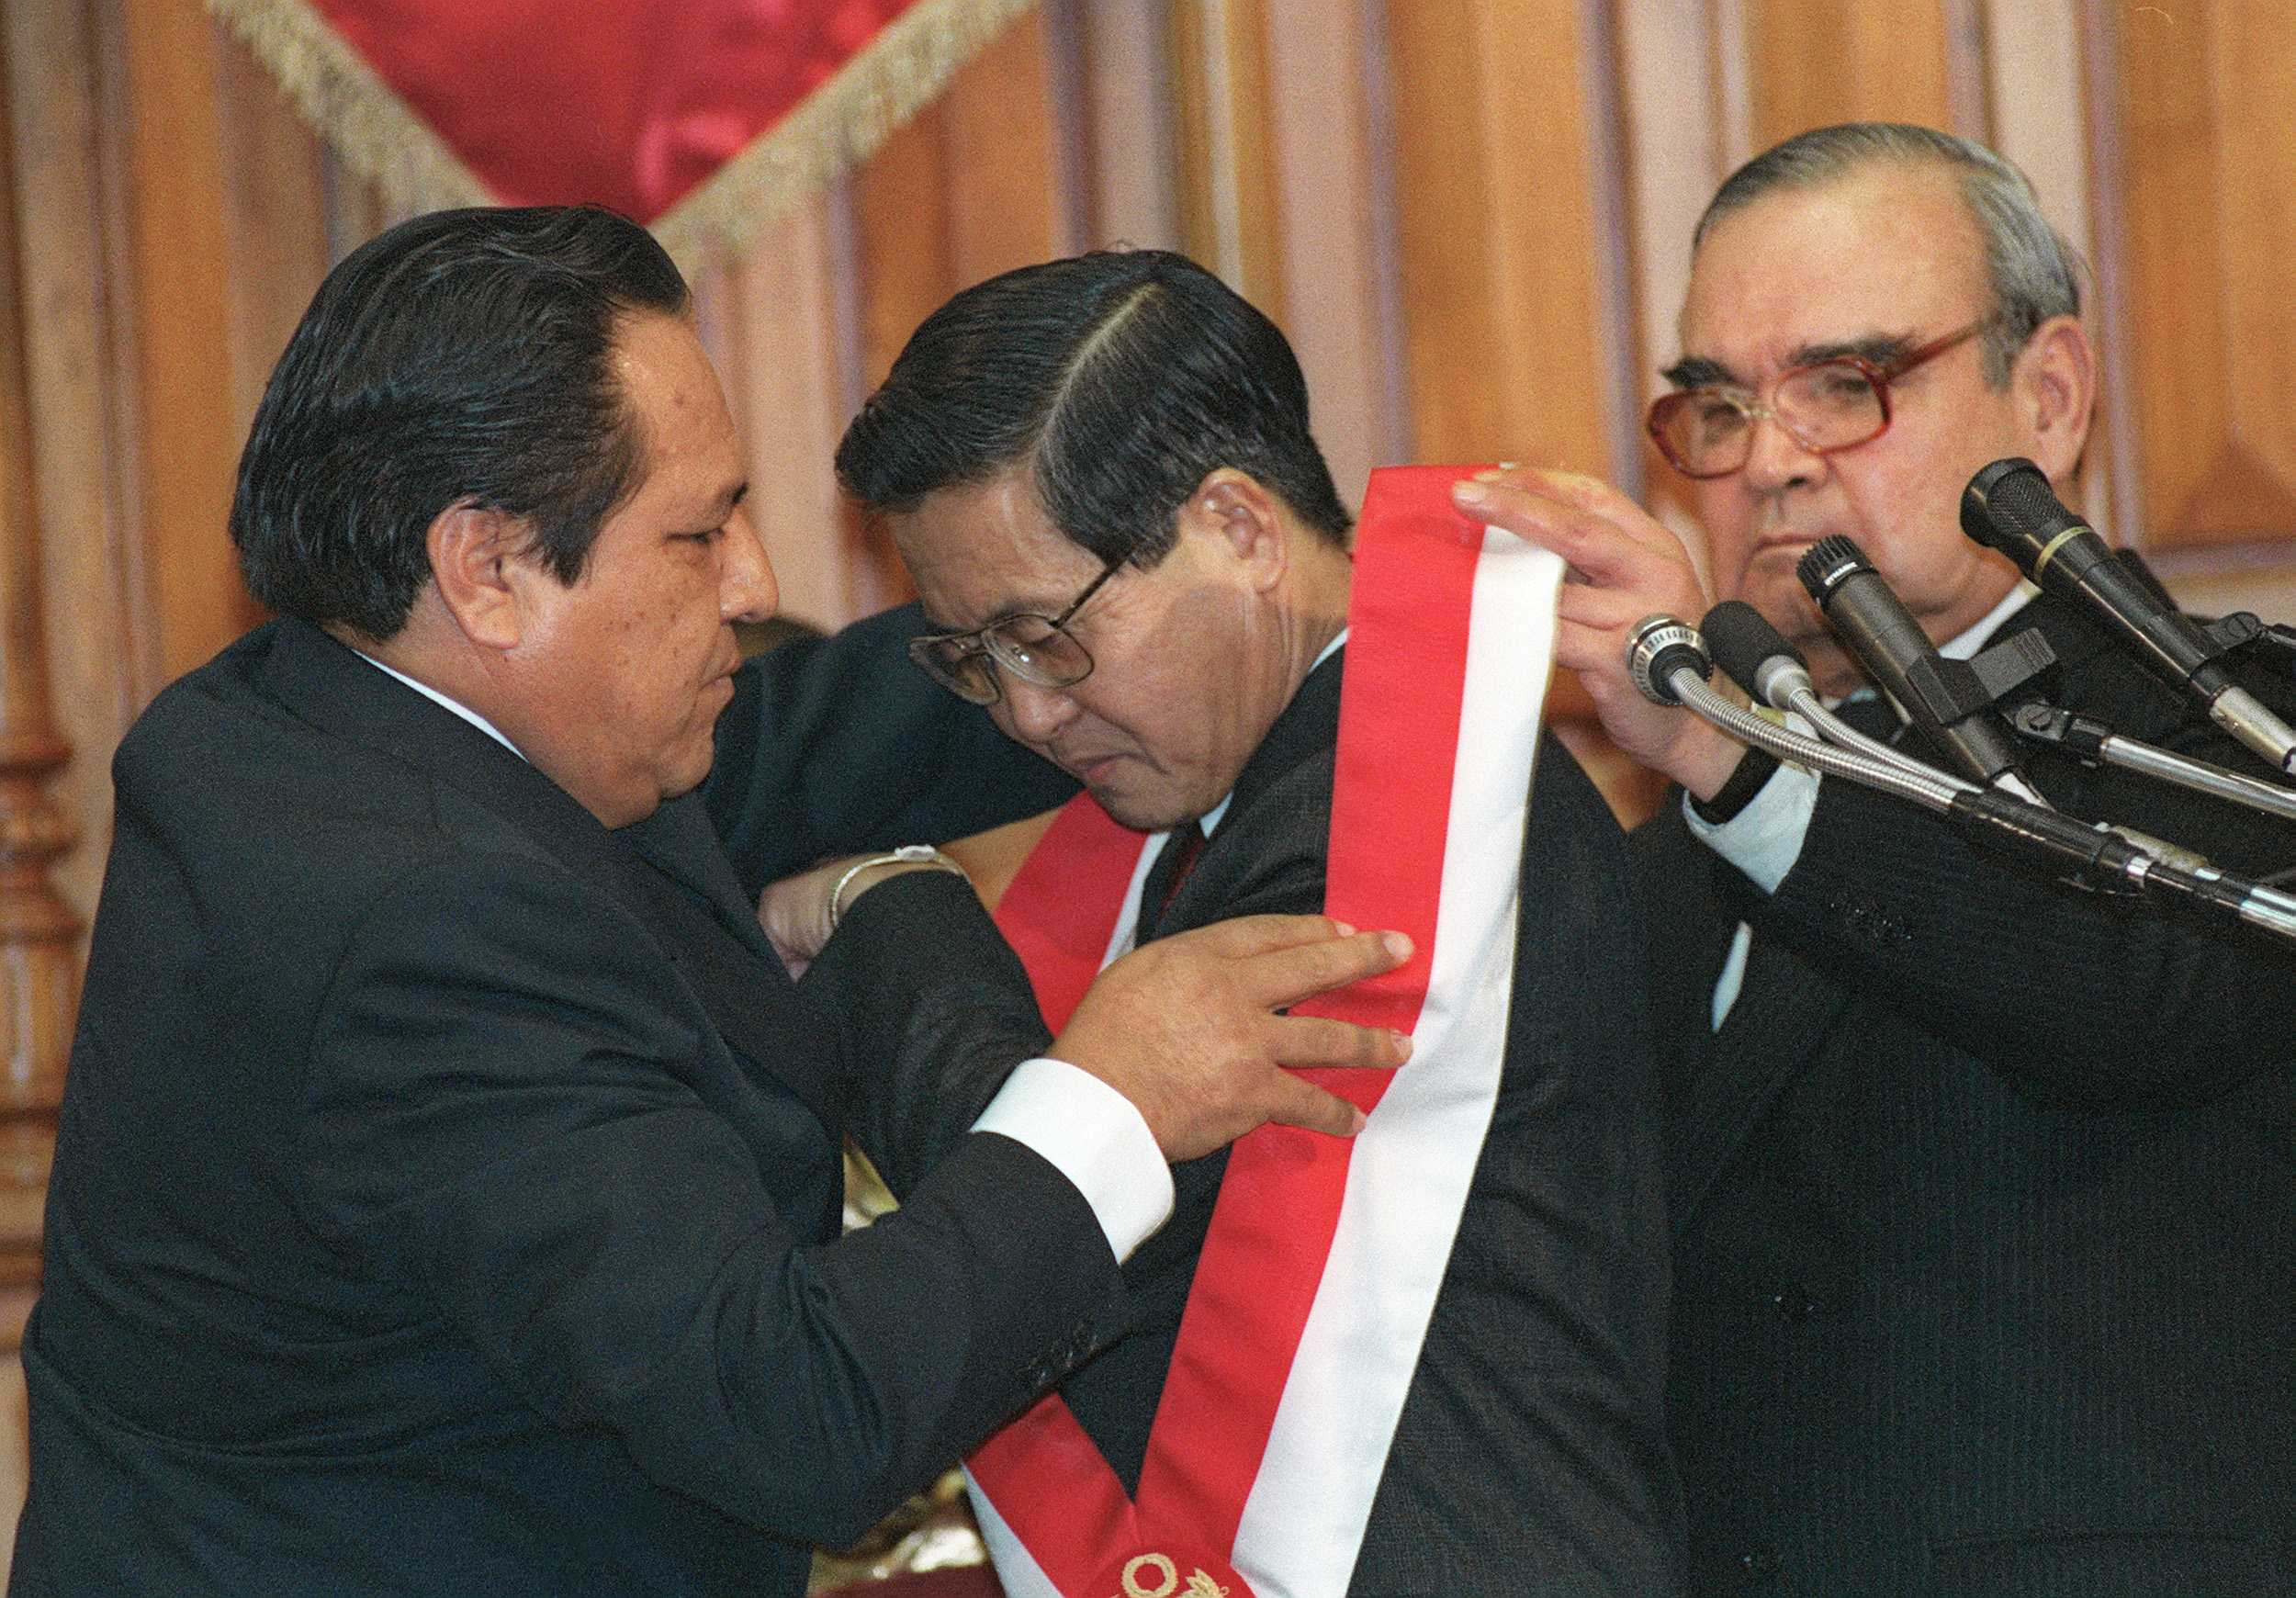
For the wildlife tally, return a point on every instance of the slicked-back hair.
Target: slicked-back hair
(1119, 380)
(461, 358)
(2033, 273)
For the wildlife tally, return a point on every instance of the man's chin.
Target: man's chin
(1126, 806)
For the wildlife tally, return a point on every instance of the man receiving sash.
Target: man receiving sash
(1129, 550)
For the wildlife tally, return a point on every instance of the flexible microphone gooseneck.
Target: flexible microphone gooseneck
(1756, 657)
(1668, 663)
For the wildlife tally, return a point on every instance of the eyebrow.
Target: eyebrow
(1698, 372)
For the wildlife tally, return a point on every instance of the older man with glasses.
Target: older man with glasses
(1983, 1191)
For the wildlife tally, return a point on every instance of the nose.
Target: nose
(1775, 458)
(746, 589)
(1032, 714)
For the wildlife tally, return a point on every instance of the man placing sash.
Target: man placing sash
(1430, 1365)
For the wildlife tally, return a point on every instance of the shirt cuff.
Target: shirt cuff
(1764, 839)
(1094, 1136)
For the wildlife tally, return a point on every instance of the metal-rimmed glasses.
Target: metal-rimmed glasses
(1038, 650)
(1825, 406)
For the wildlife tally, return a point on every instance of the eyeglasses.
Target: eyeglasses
(1826, 406)
(1034, 648)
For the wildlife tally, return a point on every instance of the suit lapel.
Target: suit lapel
(667, 871)
(1780, 1020)
(1720, 1084)
(1727, 1081)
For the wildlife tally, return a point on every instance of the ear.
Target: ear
(1247, 520)
(2055, 384)
(481, 567)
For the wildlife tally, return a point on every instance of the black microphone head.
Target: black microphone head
(1741, 641)
(2011, 507)
(1828, 564)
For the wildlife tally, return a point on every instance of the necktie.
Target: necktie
(1174, 862)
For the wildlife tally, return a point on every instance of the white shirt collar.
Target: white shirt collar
(460, 709)
(1965, 644)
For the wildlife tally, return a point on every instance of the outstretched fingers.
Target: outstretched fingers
(1280, 960)
(1610, 543)
(1188, 1026)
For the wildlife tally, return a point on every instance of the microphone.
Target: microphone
(2010, 506)
(1668, 661)
(1755, 655)
(1659, 652)
(1941, 695)
(1758, 658)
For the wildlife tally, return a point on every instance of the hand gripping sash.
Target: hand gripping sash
(1325, 1255)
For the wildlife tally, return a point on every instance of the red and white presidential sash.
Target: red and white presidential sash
(1325, 1255)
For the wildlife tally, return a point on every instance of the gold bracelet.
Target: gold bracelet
(908, 854)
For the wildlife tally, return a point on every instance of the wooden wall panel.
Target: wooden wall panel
(967, 190)
(1009, 140)
(905, 253)
(1497, 229)
(2203, 96)
(276, 184)
(780, 357)
(39, 932)
(1471, 215)
(1229, 218)
(181, 288)
(1332, 223)
(1812, 62)
(102, 640)
(1131, 112)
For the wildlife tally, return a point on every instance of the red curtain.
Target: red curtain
(626, 103)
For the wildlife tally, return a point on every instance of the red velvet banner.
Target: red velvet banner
(626, 103)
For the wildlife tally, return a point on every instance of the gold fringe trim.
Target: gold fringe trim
(359, 115)
(837, 127)
(840, 124)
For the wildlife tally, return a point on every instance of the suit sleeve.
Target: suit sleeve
(933, 1006)
(841, 745)
(518, 1116)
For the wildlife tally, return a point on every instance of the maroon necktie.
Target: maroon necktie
(1174, 862)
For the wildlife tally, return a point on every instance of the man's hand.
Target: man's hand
(1185, 1027)
(1624, 566)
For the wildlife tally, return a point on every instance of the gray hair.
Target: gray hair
(2036, 275)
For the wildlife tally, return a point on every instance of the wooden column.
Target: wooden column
(38, 982)
(38, 933)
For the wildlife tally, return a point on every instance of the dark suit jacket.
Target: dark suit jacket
(1529, 1457)
(446, 1188)
(1985, 1201)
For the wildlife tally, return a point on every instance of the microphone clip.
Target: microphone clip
(1952, 691)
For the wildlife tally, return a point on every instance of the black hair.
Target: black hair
(1119, 379)
(461, 358)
